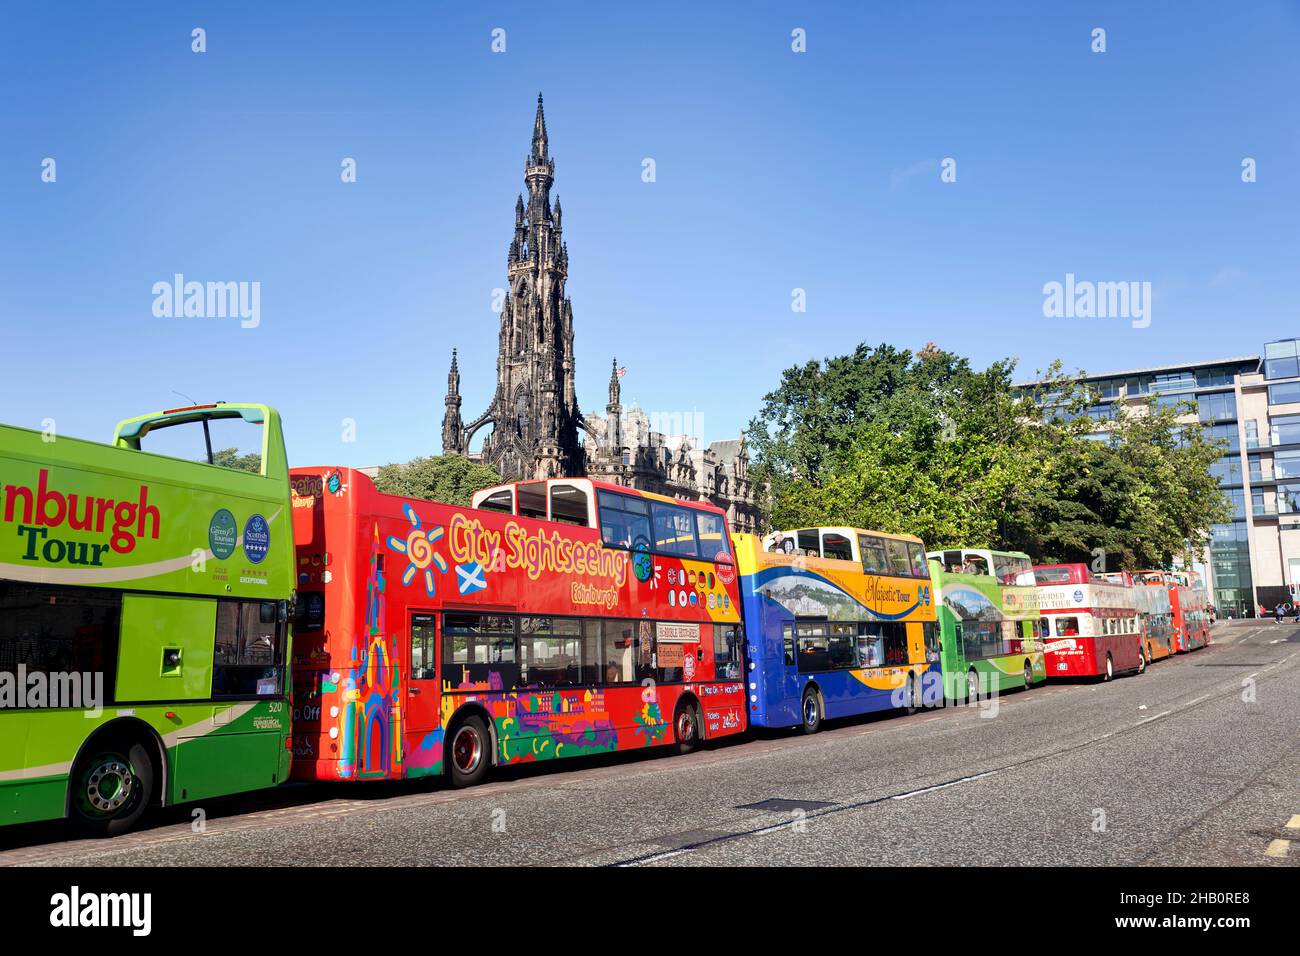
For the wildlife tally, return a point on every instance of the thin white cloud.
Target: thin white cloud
(1227, 276)
(899, 178)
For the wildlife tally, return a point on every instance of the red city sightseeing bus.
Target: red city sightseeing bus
(1154, 611)
(1189, 605)
(553, 619)
(1092, 625)
(1193, 607)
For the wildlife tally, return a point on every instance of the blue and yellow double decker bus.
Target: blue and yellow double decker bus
(838, 622)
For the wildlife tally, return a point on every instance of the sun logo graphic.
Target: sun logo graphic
(418, 548)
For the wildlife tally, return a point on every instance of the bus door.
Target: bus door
(423, 717)
(954, 677)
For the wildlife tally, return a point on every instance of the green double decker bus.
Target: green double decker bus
(990, 632)
(145, 594)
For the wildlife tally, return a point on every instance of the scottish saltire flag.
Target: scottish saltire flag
(470, 578)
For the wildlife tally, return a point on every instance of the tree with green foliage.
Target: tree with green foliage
(925, 444)
(448, 478)
(1145, 496)
(231, 458)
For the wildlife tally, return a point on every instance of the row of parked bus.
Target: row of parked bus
(195, 631)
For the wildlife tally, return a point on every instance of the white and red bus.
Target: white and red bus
(1189, 606)
(554, 618)
(1093, 625)
(1154, 611)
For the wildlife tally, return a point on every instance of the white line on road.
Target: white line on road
(943, 786)
(1147, 720)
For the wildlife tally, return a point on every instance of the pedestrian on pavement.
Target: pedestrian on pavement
(1278, 612)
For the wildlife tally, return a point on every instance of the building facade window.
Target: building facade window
(1284, 430)
(1219, 407)
(1284, 394)
(1280, 359)
(1228, 470)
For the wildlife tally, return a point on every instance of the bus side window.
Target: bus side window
(808, 542)
(930, 633)
(569, 504)
(787, 641)
(872, 552)
(837, 546)
(502, 501)
(532, 499)
(624, 520)
(727, 642)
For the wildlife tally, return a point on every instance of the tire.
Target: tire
(810, 712)
(1029, 675)
(1142, 661)
(1110, 669)
(111, 787)
(686, 727)
(972, 686)
(468, 753)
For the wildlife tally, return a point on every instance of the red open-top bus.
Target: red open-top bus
(1093, 624)
(555, 618)
(1189, 605)
(1153, 609)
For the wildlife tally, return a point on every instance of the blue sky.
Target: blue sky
(775, 171)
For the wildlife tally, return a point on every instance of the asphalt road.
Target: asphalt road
(1196, 762)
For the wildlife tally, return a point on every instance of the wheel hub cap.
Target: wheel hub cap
(109, 786)
(466, 750)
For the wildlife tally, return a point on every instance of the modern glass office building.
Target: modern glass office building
(1253, 403)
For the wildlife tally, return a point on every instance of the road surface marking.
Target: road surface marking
(1147, 720)
(943, 786)
(1278, 848)
(1293, 823)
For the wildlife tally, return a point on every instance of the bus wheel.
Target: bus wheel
(469, 752)
(1110, 668)
(1142, 661)
(1029, 675)
(112, 786)
(686, 728)
(811, 711)
(972, 686)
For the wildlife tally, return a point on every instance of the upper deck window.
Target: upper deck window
(1011, 569)
(503, 501)
(836, 546)
(628, 521)
(711, 531)
(1052, 575)
(532, 500)
(809, 542)
(899, 561)
(875, 559)
(569, 504)
(624, 520)
(674, 529)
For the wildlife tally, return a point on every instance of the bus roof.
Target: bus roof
(847, 531)
(593, 485)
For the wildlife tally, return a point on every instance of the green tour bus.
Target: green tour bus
(989, 621)
(145, 593)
